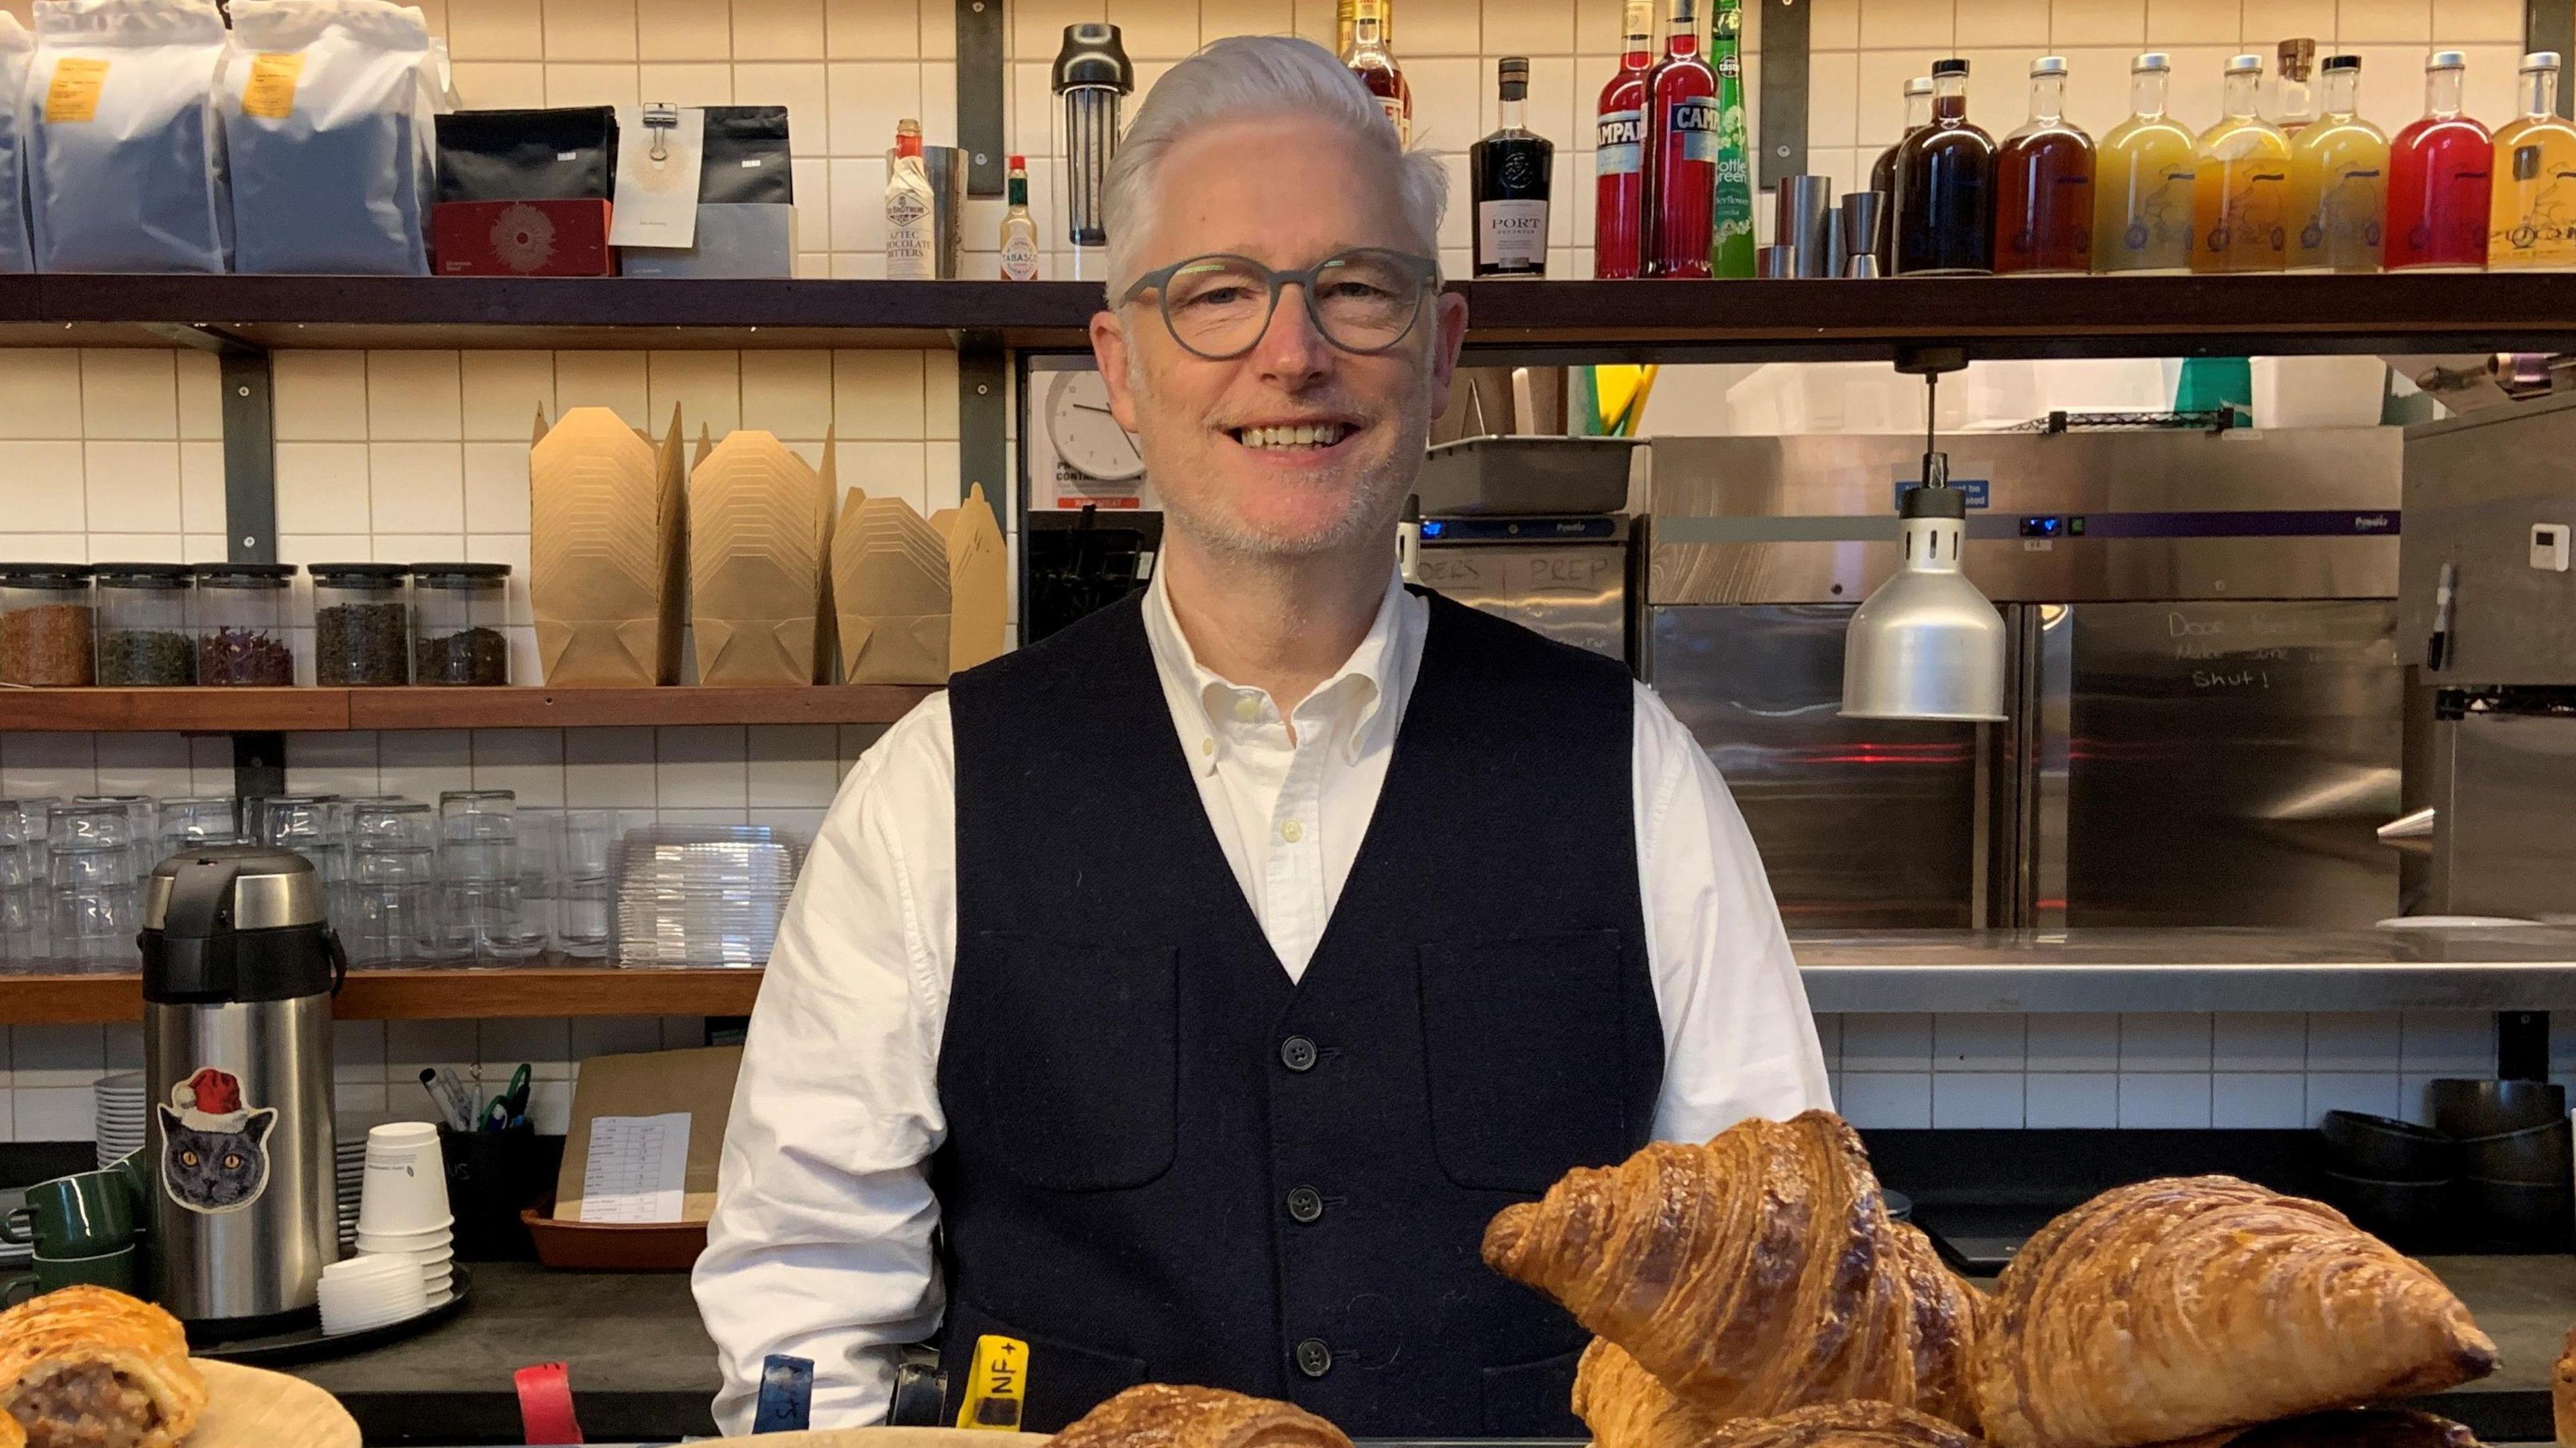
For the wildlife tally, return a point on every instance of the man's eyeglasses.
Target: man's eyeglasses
(1363, 300)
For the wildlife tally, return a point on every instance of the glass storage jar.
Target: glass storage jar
(361, 623)
(241, 623)
(47, 623)
(144, 633)
(458, 611)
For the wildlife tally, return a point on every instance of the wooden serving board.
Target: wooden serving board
(256, 1408)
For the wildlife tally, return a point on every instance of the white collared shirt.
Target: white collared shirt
(821, 1242)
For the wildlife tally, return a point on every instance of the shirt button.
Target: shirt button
(1207, 746)
(1297, 1054)
(1247, 709)
(1313, 1358)
(1305, 1204)
(1292, 832)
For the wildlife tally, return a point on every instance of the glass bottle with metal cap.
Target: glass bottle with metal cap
(2241, 182)
(2044, 183)
(2533, 214)
(2142, 181)
(239, 967)
(2440, 178)
(2338, 181)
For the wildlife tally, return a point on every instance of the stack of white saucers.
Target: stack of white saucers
(363, 1292)
(402, 1205)
(120, 1115)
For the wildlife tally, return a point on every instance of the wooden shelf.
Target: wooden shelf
(554, 987)
(1994, 317)
(242, 710)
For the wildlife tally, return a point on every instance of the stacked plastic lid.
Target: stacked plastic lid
(701, 895)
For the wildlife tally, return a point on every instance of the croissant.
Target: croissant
(1168, 1415)
(1753, 1275)
(83, 1363)
(2172, 1309)
(1625, 1407)
(2562, 1393)
(1843, 1425)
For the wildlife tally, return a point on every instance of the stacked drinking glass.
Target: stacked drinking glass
(24, 910)
(90, 858)
(393, 886)
(487, 854)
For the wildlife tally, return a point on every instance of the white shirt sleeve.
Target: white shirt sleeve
(1739, 1039)
(820, 1246)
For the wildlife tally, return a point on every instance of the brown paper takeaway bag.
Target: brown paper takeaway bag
(760, 528)
(607, 554)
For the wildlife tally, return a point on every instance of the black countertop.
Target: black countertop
(643, 1369)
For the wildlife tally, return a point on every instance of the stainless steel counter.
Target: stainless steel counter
(2519, 968)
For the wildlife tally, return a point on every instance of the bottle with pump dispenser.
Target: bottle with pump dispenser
(2044, 184)
(2533, 222)
(2440, 178)
(2142, 180)
(1945, 186)
(2338, 180)
(2241, 182)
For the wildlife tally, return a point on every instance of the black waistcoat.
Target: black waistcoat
(1167, 1162)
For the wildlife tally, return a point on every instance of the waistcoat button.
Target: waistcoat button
(1305, 1203)
(1313, 1358)
(1297, 1054)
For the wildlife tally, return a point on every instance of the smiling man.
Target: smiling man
(1181, 995)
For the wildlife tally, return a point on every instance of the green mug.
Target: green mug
(121, 1270)
(83, 1215)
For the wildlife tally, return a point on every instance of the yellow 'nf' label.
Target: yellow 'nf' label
(995, 1384)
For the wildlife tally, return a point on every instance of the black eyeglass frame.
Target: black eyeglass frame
(1424, 270)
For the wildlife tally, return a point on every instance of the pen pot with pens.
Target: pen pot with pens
(495, 1165)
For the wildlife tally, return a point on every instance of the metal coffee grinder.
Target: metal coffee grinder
(239, 967)
(1092, 76)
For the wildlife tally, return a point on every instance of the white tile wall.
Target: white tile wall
(401, 455)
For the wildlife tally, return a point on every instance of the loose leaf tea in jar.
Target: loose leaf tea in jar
(145, 636)
(45, 624)
(459, 610)
(241, 624)
(361, 624)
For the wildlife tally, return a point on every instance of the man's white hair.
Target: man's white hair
(1251, 77)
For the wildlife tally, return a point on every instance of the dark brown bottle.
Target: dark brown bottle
(1945, 186)
(2044, 184)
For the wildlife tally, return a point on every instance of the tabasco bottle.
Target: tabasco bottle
(2534, 217)
(2044, 184)
(1370, 60)
(1945, 186)
(1619, 160)
(1731, 221)
(2439, 179)
(1681, 153)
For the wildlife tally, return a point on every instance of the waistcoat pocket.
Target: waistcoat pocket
(1065, 1380)
(1067, 1059)
(1525, 1043)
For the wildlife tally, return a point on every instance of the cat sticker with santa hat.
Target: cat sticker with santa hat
(214, 1152)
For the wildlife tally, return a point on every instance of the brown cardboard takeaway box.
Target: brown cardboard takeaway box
(917, 598)
(607, 558)
(760, 527)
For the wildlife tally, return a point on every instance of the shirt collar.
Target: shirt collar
(1354, 702)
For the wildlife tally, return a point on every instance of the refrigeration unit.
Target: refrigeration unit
(2203, 722)
(2487, 622)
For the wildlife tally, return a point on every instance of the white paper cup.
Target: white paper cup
(397, 1200)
